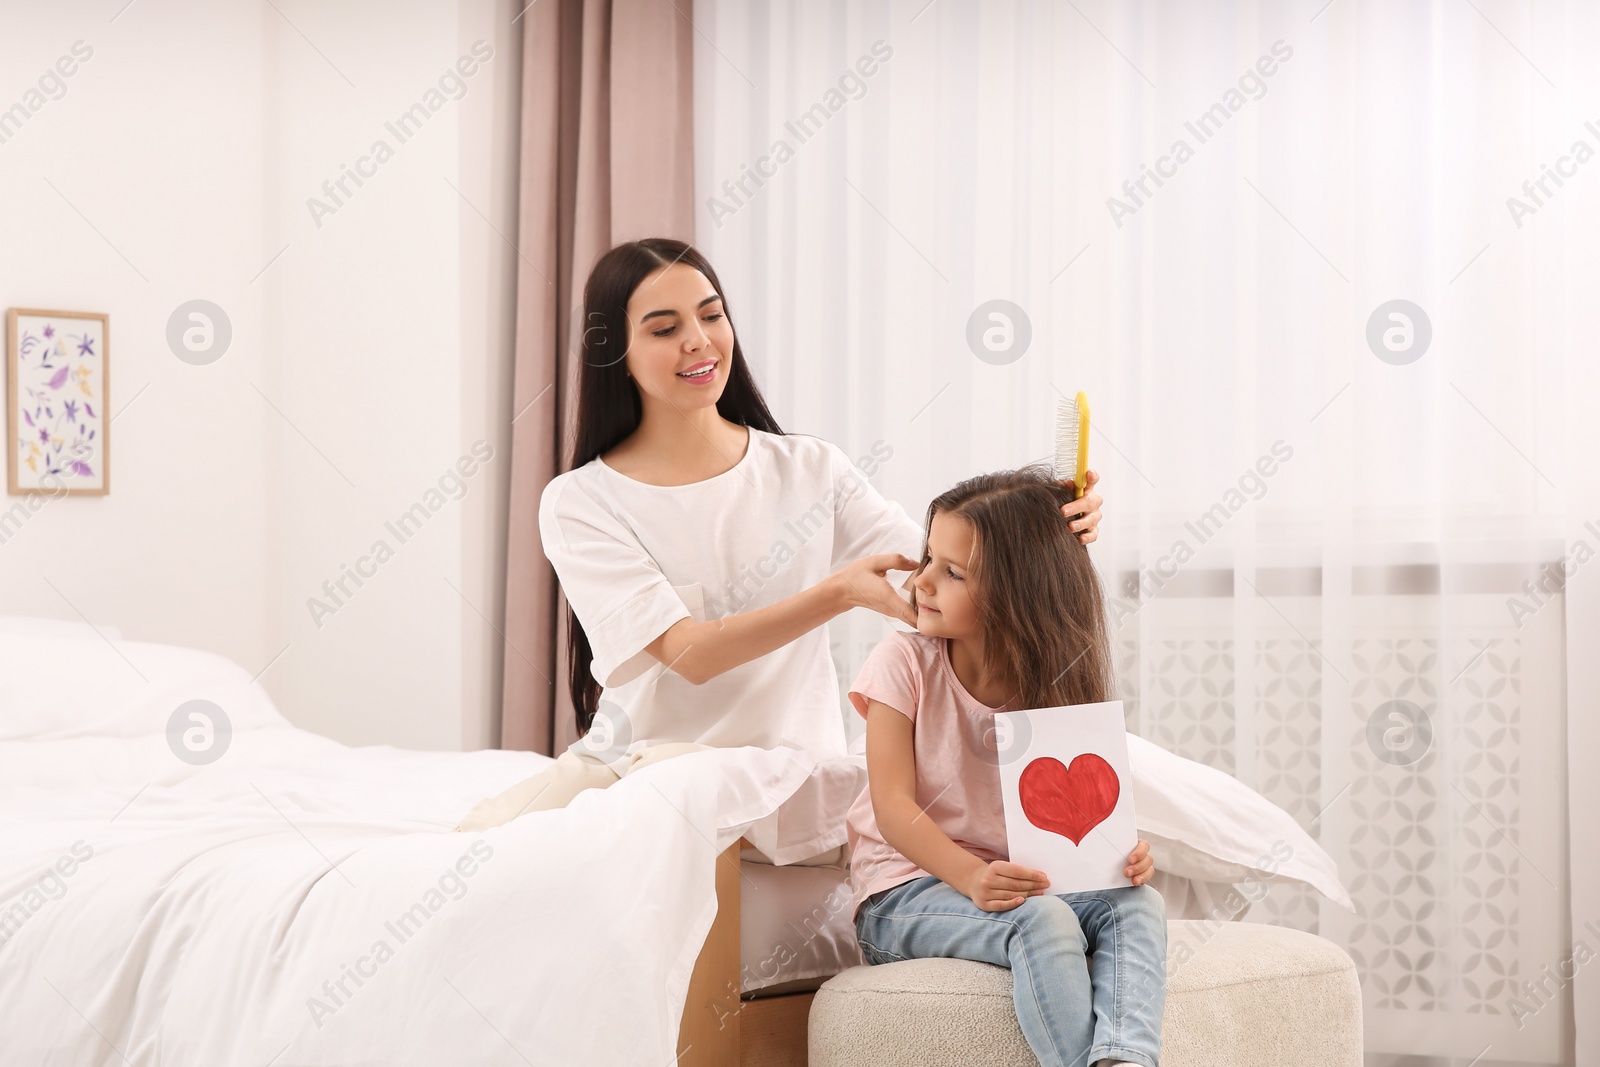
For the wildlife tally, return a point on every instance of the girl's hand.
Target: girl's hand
(1084, 513)
(863, 584)
(1001, 885)
(1140, 865)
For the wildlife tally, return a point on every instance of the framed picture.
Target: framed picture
(56, 402)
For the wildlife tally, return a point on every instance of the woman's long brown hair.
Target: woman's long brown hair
(1040, 606)
(609, 408)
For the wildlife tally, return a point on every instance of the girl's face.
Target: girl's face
(945, 604)
(676, 324)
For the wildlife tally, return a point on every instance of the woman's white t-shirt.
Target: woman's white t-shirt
(633, 559)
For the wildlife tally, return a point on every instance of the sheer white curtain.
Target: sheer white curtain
(1322, 506)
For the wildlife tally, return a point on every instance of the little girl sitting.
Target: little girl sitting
(1009, 617)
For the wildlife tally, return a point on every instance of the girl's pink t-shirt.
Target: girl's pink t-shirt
(958, 778)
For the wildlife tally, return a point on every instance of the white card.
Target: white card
(1068, 793)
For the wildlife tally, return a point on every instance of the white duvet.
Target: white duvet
(299, 902)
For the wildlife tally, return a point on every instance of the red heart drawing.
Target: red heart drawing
(1069, 801)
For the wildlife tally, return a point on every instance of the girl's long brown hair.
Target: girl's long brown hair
(1040, 606)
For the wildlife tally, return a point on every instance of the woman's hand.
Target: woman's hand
(863, 584)
(1140, 865)
(1001, 885)
(1084, 513)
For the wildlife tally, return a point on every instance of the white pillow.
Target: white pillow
(55, 686)
(1205, 825)
(34, 624)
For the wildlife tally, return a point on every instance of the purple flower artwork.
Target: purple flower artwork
(58, 435)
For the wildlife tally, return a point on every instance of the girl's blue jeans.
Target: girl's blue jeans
(1088, 969)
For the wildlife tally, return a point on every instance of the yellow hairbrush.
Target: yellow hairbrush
(1072, 442)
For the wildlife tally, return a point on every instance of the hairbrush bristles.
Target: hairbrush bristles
(1072, 442)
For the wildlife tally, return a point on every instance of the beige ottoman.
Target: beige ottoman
(1237, 993)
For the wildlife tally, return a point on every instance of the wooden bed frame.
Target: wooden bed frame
(720, 1029)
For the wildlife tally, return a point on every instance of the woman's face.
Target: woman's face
(676, 324)
(945, 607)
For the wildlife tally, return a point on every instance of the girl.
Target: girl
(700, 548)
(1009, 616)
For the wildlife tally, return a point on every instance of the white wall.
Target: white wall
(367, 358)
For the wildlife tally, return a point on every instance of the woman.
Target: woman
(701, 549)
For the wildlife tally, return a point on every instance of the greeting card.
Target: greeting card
(1068, 793)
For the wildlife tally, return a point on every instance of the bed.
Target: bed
(296, 902)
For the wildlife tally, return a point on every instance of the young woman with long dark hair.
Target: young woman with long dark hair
(701, 549)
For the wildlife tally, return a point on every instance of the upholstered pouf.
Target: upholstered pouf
(1237, 993)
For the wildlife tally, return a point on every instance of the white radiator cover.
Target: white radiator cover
(1454, 861)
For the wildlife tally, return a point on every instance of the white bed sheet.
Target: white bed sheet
(794, 923)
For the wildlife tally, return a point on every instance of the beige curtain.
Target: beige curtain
(607, 156)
